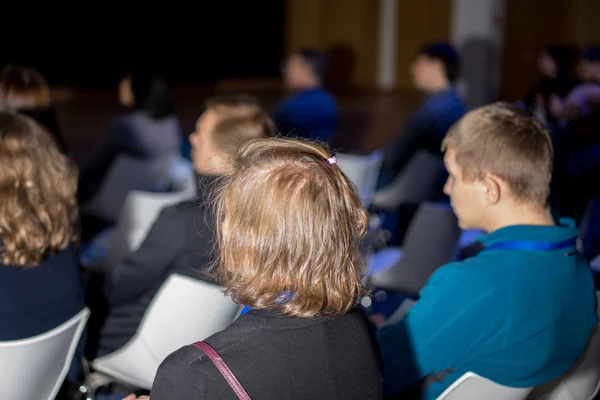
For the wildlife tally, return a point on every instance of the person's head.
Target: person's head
(146, 91)
(38, 185)
(558, 61)
(435, 67)
(589, 67)
(22, 87)
(289, 228)
(499, 160)
(227, 123)
(305, 69)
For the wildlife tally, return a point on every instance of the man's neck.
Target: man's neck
(439, 86)
(522, 215)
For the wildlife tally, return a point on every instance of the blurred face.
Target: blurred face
(588, 70)
(200, 139)
(125, 93)
(466, 198)
(547, 66)
(296, 73)
(426, 72)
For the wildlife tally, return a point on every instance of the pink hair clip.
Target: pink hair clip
(332, 160)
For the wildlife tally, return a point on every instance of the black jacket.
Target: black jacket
(276, 357)
(180, 241)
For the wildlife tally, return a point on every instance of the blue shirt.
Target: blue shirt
(518, 317)
(310, 114)
(425, 129)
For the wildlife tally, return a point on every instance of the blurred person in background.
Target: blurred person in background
(434, 72)
(557, 68)
(24, 90)
(181, 239)
(148, 130)
(310, 112)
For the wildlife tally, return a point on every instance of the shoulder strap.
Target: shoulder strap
(223, 369)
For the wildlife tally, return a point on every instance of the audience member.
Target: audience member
(40, 286)
(311, 111)
(434, 71)
(181, 239)
(149, 130)
(521, 311)
(24, 90)
(289, 224)
(557, 66)
(585, 97)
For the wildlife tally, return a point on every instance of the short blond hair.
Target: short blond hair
(240, 118)
(38, 207)
(507, 142)
(290, 224)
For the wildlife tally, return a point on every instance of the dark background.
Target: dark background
(202, 42)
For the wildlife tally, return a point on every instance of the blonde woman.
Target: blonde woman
(289, 224)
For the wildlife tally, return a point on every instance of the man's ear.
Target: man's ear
(491, 189)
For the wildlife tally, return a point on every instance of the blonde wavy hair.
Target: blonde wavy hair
(38, 185)
(289, 228)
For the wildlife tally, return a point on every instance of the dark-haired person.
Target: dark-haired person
(310, 112)
(434, 71)
(148, 130)
(24, 90)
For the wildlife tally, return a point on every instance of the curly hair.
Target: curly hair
(289, 227)
(38, 186)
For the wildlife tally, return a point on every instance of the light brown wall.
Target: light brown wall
(349, 25)
(419, 22)
(534, 24)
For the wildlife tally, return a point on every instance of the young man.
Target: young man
(181, 240)
(521, 311)
(311, 111)
(433, 71)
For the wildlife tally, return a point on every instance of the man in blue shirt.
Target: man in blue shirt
(521, 311)
(311, 111)
(433, 71)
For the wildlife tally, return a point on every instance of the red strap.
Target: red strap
(223, 369)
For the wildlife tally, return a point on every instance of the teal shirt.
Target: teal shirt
(517, 317)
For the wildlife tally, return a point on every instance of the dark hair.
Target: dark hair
(446, 54)
(592, 53)
(316, 60)
(565, 57)
(151, 93)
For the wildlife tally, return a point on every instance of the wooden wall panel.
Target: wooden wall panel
(419, 22)
(347, 29)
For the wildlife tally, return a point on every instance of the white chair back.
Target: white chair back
(35, 368)
(471, 386)
(363, 171)
(431, 241)
(126, 174)
(185, 310)
(420, 180)
(582, 382)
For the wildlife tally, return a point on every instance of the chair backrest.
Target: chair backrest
(430, 242)
(126, 174)
(471, 386)
(432, 239)
(582, 381)
(35, 368)
(184, 311)
(363, 171)
(420, 180)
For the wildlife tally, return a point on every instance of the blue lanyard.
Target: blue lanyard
(532, 245)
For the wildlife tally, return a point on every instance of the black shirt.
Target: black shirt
(277, 357)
